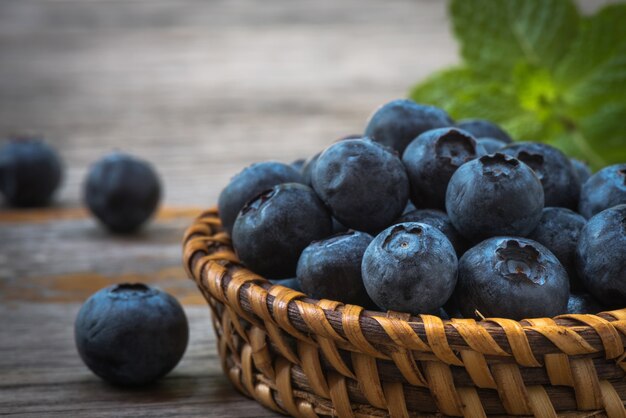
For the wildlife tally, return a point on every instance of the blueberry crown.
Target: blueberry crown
(520, 261)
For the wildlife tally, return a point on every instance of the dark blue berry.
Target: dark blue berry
(131, 334)
(364, 184)
(249, 183)
(601, 257)
(398, 122)
(482, 128)
(331, 268)
(30, 172)
(494, 195)
(583, 303)
(439, 220)
(410, 267)
(513, 278)
(559, 231)
(122, 192)
(272, 230)
(605, 189)
(582, 170)
(491, 145)
(560, 182)
(430, 161)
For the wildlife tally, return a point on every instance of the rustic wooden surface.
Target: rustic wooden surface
(199, 88)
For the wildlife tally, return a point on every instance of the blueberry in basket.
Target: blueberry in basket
(363, 183)
(604, 189)
(122, 191)
(131, 334)
(331, 268)
(482, 128)
(272, 229)
(432, 158)
(250, 182)
(494, 195)
(511, 277)
(601, 257)
(399, 122)
(410, 267)
(30, 172)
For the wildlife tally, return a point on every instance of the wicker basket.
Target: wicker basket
(310, 358)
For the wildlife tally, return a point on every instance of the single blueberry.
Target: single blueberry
(494, 195)
(482, 128)
(122, 191)
(398, 122)
(605, 189)
(430, 161)
(410, 267)
(583, 303)
(439, 220)
(491, 145)
(601, 257)
(559, 230)
(272, 229)
(30, 172)
(560, 182)
(514, 278)
(249, 183)
(582, 170)
(331, 268)
(131, 334)
(364, 185)
(291, 283)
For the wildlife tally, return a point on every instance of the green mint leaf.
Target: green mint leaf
(496, 35)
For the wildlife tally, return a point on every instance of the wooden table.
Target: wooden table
(200, 88)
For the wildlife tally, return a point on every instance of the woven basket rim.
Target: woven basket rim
(211, 262)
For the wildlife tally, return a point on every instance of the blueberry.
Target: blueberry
(131, 334)
(605, 189)
(583, 303)
(307, 169)
(439, 220)
(582, 170)
(331, 268)
(430, 161)
(494, 195)
(601, 256)
(491, 145)
(561, 184)
(364, 185)
(398, 122)
(482, 128)
(291, 283)
(410, 267)
(250, 182)
(122, 192)
(272, 230)
(513, 278)
(30, 172)
(559, 231)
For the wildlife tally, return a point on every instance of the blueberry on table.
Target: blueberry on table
(583, 303)
(509, 277)
(601, 257)
(560, 181)
(131, 334)
(331, 268)
(482, 128)
(559, 230)
(122, 191)
(248, 183)
(363, 183)
(430, 161)
(582, 170)
(410, 267)
(491, 145)
(272, 230)
(30, 172)
(439, 220)
(605, 189)
(398, 122)
(494, 195)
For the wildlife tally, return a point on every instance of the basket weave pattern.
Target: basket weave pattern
(310, 358)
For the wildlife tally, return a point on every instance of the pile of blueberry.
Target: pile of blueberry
(423, 215)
